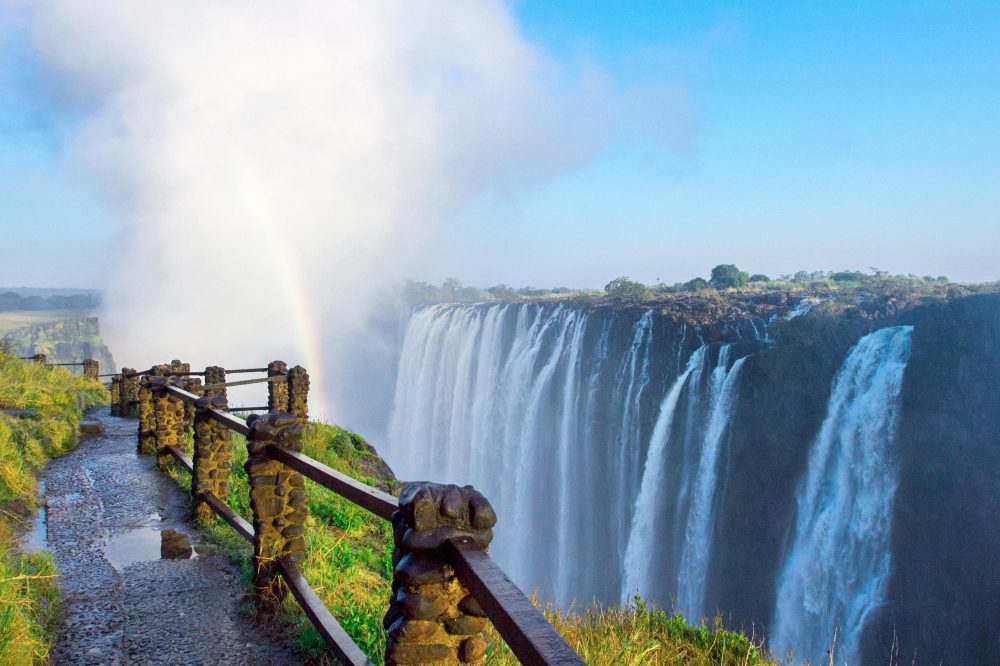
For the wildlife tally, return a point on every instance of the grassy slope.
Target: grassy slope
(348, 563)
(28, 595)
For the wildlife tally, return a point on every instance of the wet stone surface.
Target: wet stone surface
(106, 510)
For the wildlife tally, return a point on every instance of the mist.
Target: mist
(271, 168)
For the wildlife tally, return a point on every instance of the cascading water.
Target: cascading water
(698, 534)
(564, 418)
(642, 538)
(837, 565)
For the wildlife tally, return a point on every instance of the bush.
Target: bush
(728, 276)
(624, 291)
(697, 284)
(759, 277)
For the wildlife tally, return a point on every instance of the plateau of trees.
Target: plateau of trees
(623, 290)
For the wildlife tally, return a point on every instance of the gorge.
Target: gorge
(822, 472)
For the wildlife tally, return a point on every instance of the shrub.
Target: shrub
(626, 292)
(728, 276)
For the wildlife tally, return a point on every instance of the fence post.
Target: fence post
(432, 618)
(298, 394)
(39, 359)
(165, 413)
(147, 417)
(277, 498)
(91, 369)
(127, 394)
(215, 375)
(277, 392)
(213, 450)
(116, 387)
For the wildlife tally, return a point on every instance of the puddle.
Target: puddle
(142, 544)
(37, 538)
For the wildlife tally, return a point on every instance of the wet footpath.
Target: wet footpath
(105, 512)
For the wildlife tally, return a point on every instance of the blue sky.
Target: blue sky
(802, 136)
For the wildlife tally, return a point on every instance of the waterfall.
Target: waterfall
(837, 565)
(698, 533)
(641, 541)
(596, 432)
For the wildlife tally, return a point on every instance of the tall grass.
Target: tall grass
(349, 564)
(28, 594)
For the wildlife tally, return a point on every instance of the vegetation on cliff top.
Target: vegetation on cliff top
(724, 279)
(349, 564)
(28, 594)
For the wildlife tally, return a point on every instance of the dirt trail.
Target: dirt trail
(121, 604)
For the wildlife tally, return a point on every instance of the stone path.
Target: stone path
(121, 603)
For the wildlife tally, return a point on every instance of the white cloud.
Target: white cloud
(270, 159)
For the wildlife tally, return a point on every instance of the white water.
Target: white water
(642, 538)
(837, 564)
(570, 422)
(697, 542)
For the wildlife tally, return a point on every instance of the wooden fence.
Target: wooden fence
(91, 368)
(445, 587)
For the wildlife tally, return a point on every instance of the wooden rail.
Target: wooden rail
(531, 638)
(91, 368)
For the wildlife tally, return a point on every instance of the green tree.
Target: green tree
(625, 291)
(727, 276)
(697, 284)
(759, 277)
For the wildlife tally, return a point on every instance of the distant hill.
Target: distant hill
(42, 299)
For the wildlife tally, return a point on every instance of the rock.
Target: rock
(91, 427)
(175, 545)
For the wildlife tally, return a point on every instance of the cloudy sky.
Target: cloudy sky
(530, 143)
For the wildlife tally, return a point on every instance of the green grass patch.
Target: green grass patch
(29, 598)
(349, 565)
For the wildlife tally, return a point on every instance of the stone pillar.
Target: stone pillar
(213, 452)
(298, 394)
(277, 498)
(191, 385)
(277, 391)
(215, 375)
(432, 618)
(165, 412)
(91, 369)
(39, 359)
(116, 387)
(147, 421)
(128, 394)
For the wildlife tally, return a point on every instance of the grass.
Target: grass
(349, 564)
(641, 635)
(28, 594)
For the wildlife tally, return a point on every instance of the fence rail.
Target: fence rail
(91, 367)
(445, 587)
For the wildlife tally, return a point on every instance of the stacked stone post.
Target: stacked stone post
(116, 387)
(215, 375)
(298, 394)
(432, 618)
(277, 391)
(277, 498)
(129, 391)
(166, 412)
(91, 369)
(39, 359)
(213, 451)
(147, 418)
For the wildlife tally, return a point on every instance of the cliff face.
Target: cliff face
(591, 384)
(64, 341)
(944, 580)
(945, 585)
